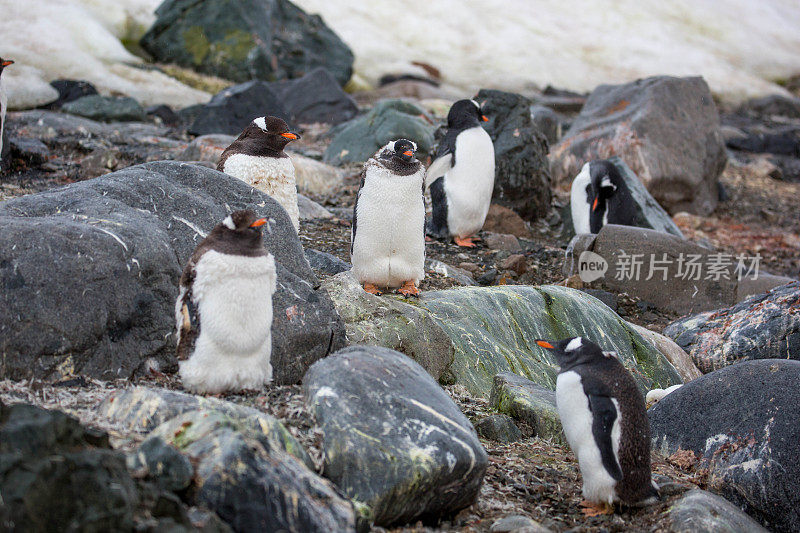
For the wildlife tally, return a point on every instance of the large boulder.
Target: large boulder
(524, 400)
(316, 97)
(392, 438)
(357, 140)
(742, 422)
(241, 40)
(665, 128)
(522, 174)
(89, 273)
(106, 108)
(763, 327)
(233, 108)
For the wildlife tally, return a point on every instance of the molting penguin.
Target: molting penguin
(224, 310)
(599, 196)
(606, 425)
(387, 245)
(3, 102)
(461, 178)
(257, 158)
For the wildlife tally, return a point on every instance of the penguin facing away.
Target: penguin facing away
(606, 425)
(257, 158)
(3, 102)
(599, 196)
(387, 243)
(461, 177)
(223, 312)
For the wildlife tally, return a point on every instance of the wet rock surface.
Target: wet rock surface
(524, 400)
(700, 510)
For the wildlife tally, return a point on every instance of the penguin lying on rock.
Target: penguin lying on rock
(257, 158)
(223, 313)
(387, 244)
(461, 178)
(599, 196)
(606, 425)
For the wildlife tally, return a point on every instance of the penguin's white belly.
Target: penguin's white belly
(576, 418)
(580, 203)
(233, 295)
(271, 175)
(3, 106)
(468, 185)
(389, 242)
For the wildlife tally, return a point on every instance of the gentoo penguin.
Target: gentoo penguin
(461, 177)
(3, 102)
(257, 158)
(606, 424)
(599, 196)
(224, 310)
(387, 243)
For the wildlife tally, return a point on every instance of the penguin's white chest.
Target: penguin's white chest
(271, 175)
(580, 202)
(389, 240)
(576, 418)
(3, 106)
(233, 295)
(468, 185)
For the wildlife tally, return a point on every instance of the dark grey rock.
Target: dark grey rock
(165, 114)
(770, 106)
(742, 422)
(524, 400)
(700, 511)
(32, 151)
(232, 109)
(316, 97)
(547, 122)
(766, 326)
(245, 40)
(325, 262)
(665, 128)
(608, 298)
(163, 463)
(357, 140)
(392, 438)
(488, 277)
(779, 141)
(89, 273)
(106, 108)
(69, 90)
(459, 275)
(522, 173)
(499, 428)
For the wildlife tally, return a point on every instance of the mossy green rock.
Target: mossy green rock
(528, 402)
(242, 40)
(357, 140)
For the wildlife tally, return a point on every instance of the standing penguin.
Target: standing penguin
(257, 158)
(599, 196)
(224, 310)
(387, 244)
(461, 178)
(3, 102)
(605, 421)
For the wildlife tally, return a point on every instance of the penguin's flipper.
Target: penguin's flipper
(355, 210)
(189, 318)
(604, 413)
(440, 166)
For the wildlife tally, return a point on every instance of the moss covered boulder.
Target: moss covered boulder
(525, 401)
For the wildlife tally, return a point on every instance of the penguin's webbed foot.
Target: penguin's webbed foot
(466, 242)
(590, 509)
(409, 289)
(372, 289)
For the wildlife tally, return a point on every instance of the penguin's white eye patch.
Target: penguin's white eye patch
(414, 145)
(228, 222)
(261, 122)
(606, 183)
(574, 344)
(476, 104)
(390, 146)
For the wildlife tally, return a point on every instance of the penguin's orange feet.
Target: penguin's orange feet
(372, 289)
(465, 242)
(596, 508)
(409, 289)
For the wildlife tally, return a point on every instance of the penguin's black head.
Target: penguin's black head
(244, 223)
(603, 183)
(404, 150)
(573, 351)
(271, 132)
(4, 63)
(465, 114)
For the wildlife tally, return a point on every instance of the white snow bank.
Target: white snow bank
(739, 46)
(80, 39)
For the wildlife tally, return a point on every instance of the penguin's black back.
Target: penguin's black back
(620, 205)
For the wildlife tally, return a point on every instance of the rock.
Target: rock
(163, 463)
(163, 114)
(742, 421)
(357, 140)
(141, 409)
(499, 428)
(233, 108)
(488, 277)
(501, 241)
(117, 244)
(316, 97)
(32, 151)
(462, 277)
(326, 263)
(515, 262)
(680, 360)
(408, 89)
(608, 298)
(266, 490)
(314, 177)
(501, 219)
(699, 511)
(106, 108)
(241, 41)
(773, 105)
(749, 286)
(390, 322)
(206, 148)
(780, 141)
(665, 128)
(392, 438)
(70, 90)
(311, 210)
(766, 326)
(527, 402)
(547, 122)
(517, 524)
(522, 174)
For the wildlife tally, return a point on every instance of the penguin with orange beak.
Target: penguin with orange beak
(258, 159)
(223, 312)
(3, 104)
(599, 196)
